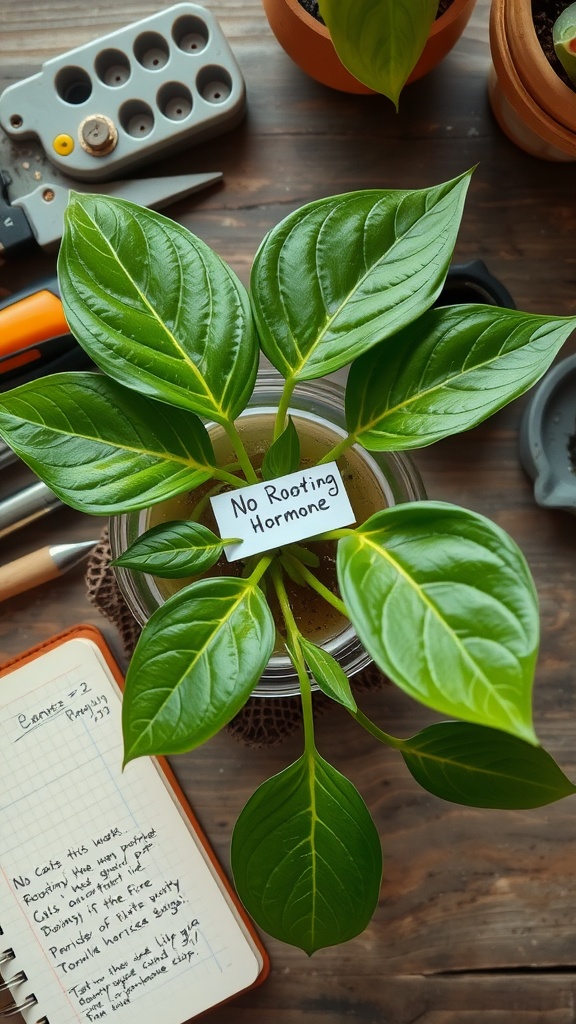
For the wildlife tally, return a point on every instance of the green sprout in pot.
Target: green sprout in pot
(379, 41)
(441, 597)
(564, 38)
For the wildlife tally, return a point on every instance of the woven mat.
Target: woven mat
(263, 721)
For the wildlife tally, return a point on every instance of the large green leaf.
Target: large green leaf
(101, 447)
(173, 550)
(379, 41)
(343, 273)
(156, 308)
(196, 662)
(447, 372)
(306, 856)
(481, 767)
(444, 602)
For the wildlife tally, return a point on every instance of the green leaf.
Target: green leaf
(329, 675)
(293, 569)
(101, 447)
(283, 456)
(482, 767)
(306, 856)
(564, 39)
(294, 558)
(342, 274)
(198, 659)
(156, 308)
(443, 601)
(379, 41)
(173, 550)
(304, 555)
(448, 372)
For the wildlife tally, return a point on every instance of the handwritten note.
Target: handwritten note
(100, 917)
(112, 907)
(282, 511)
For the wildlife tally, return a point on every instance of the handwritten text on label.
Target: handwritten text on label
(277, 512)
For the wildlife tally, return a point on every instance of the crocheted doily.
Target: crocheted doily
(263, 721)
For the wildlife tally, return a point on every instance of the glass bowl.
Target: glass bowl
(374, 480)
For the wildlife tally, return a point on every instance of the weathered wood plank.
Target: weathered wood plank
(476, 917)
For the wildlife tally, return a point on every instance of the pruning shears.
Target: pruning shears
(38, 216)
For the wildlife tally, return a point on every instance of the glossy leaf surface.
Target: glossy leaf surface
(452, 369)
(329, 675)
(379, 41)
(197, 660)
(173, 550)
(306, 856)
(444, 602)
(155, 307)
(481, 767)
(101, 447)
(283, 456)
(343, 273)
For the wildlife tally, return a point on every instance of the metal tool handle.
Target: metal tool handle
(25, 506)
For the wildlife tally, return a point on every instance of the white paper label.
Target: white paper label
(278, 512)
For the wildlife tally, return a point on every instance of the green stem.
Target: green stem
(261, 567)
(344, 531)
(316, 585)
(250, 565)
(200, 506)
(283, 406)
(295, 652)
(338, 450)
(229, 478)
(243, 459)
(379, 734)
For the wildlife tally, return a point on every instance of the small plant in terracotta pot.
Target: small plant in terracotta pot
(368, 45)
(532, 97)
(440, 597)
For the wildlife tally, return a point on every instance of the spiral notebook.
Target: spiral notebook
(112, 905)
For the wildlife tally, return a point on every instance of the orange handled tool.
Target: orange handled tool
(34, 336)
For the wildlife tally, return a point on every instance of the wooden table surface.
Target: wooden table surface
(477, 917)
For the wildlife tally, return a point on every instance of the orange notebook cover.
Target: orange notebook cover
(112, 904)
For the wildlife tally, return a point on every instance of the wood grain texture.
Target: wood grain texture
(477, 910)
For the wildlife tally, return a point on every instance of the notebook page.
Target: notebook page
(111, 906)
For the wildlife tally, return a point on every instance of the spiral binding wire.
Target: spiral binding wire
(21, 976)
(6, 956)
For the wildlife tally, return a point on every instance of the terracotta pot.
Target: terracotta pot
(308, 42)
(532, 105)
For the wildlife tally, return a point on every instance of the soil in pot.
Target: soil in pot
(544, 14)
(316, 619)
(312, 7)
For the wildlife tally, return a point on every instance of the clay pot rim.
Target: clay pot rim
(541, 81)
(309, 45)
(527, 108)
(450, 15)
(307, 18)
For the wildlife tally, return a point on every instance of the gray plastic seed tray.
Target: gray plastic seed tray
(156, 86)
